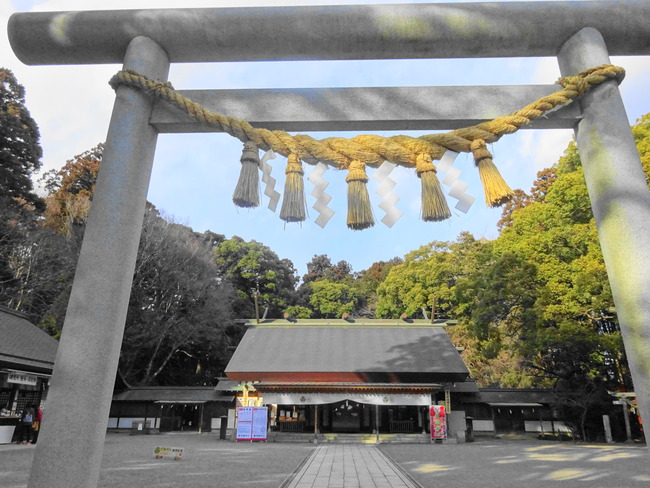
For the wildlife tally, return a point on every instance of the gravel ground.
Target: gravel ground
(487, 463)
(497, 463)
(207, 462)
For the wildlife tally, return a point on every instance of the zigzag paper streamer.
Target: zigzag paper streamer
(322, 199)
(269, 190)
(385, 191)
(452, 179)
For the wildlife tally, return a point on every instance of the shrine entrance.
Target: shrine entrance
(582, 35)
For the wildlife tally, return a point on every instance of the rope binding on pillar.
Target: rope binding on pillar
(357, 153)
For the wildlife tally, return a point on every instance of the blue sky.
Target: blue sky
(194, 175)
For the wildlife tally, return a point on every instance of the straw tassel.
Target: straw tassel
(497, 191)
(293, 202)
(359, 211)
(246, 193)
(434, 203)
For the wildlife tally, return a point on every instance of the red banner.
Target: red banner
(438, 421)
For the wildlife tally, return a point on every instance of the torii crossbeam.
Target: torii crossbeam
(580, 34)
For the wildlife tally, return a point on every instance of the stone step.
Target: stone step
(349, 438)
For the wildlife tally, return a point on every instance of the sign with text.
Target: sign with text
(252, 423)
(22, 379)
(438, 417)
(175, 452)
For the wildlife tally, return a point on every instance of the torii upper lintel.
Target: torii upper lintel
(459, 30)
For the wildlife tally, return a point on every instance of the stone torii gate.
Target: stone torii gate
(581, 34)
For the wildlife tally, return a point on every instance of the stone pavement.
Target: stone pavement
(349, 466)
(486, 463)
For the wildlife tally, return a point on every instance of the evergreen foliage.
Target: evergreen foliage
(20, 151)
(534, 307)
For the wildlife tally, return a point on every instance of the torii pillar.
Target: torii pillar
(620, 201)
(71, 444)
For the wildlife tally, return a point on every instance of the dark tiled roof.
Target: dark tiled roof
(426, 352)
(23, 345)
(176, 394)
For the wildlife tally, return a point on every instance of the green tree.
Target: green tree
(20, 151)
(571, 332)
(29, 257)
(427, 274)
(179, 325)
(253, 269)
(179, 311)
(534, 305)
(330, 299)
(321, 267)
(299, 312)
(366, 283)
(36, 266)
(641, 132)
(521, 199)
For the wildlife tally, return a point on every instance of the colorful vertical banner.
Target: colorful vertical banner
(252, 423)
(438, 417)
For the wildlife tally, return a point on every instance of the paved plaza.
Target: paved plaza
(349, 466)
(487, 463)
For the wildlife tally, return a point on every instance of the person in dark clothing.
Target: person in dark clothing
(25, 431)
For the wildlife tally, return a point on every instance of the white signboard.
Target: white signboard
(251, 423)
(260, 419)
(22, 378)
(244, 423)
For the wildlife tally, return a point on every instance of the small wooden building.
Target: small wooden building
(27, 356)
(169, 408)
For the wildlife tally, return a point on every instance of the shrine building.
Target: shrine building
(347, 376)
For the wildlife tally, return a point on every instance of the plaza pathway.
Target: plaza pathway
(349, 466)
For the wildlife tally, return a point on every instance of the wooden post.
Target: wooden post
(377, 423)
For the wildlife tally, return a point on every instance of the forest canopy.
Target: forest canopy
(533, 305)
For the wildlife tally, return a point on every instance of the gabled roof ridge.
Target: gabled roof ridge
(405, 323)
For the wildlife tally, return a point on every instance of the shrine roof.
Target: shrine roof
(347, 353)
(24, 346)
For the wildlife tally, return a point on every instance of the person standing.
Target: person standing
(25, 432)
(36, 426)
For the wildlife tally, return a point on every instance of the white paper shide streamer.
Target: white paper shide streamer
(457, 187)
(322, 199)
(385, 191)
(269, 190)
